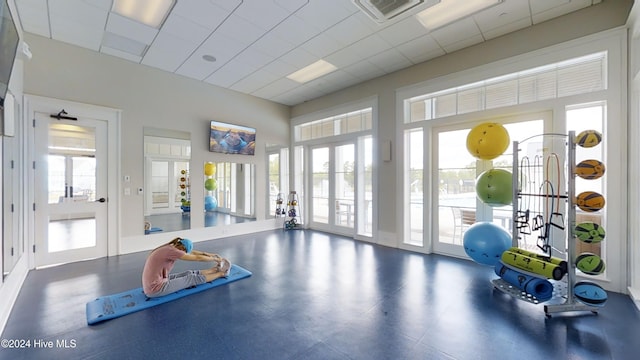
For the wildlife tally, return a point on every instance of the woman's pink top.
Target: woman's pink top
(158, 266)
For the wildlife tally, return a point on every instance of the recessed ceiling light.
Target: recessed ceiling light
(148, 12)
(313, 71)
(448, 11)
(209, 58)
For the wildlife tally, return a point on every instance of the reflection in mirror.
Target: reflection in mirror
(229, 193)
(166, 180)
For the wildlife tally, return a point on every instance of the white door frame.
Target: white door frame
(35, 104)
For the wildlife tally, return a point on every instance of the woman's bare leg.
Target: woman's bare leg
(217, 271)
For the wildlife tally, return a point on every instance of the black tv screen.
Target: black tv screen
(231, 139)
(9, 41)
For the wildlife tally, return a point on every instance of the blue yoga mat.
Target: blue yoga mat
(116, 305)
(152, 230)
(541, 288)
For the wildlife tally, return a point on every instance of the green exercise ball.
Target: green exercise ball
(211, 184)
(494, 187)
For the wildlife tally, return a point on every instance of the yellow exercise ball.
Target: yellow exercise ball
(209, 169)
(487, 141)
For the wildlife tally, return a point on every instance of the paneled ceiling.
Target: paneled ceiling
(257, 43)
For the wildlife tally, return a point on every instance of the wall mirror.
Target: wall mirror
(166, 180)
(229, 190)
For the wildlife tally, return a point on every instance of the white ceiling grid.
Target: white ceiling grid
(257, 43)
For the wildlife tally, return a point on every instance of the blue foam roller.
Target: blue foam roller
(541, 288)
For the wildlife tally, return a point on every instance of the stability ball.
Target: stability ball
(209, 169)
(210, 203)
(211, 184)
(494, 187)
(485, 242)
(487, 141)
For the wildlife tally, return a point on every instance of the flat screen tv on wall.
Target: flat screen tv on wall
(231, 139)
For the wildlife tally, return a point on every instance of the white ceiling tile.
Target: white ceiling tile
(277, 87)
(280, 68)
(204, 13)
(363, 70)
(253, 58)
(501, 15)
(538, 6)
(364, 48)
(168, 52)
(290, 5)
(34, 17)
(79, 12)
(507, 28)
(322, 15)
(255, 81)
(299, 58)
(229, 74)
(456, 32)
(558, 10)
(76, 34)
(322, 45)
(219, 46)
(390, 60)
(421, 49)
(466, 42)
(240, 30)
(403, 31)
(131, 29)
(352, 29)
(294, 31)
(265, 14)
(228, 5)
(272, 45)
(185, 29)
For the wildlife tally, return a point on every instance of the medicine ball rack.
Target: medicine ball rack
(563, 299)
(293, 219)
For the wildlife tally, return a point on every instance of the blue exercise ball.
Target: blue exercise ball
(485, 242)
(210, 203)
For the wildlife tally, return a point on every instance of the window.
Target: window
(355, 121)
(579, 75)
(340, 172)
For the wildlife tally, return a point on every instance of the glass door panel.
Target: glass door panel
(320, 185)
(365, 186)
(456, 187)
(74, 186)
(344, 194)
(414, 187)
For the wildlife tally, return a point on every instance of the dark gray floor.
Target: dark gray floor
(313, 296)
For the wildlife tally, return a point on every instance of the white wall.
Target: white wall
(152, 98)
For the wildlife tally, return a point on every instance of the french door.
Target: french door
(71, 203)
(341, 199)
(454, 192)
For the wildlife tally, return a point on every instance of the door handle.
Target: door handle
(101, 200)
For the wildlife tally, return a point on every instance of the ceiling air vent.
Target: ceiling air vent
(383, 10)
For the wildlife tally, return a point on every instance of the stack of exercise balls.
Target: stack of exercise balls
(185, 201)
(485, 242)
(588, 232)
(210, 186)
(490, 244)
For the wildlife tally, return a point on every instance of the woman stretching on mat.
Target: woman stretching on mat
(156, 280)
